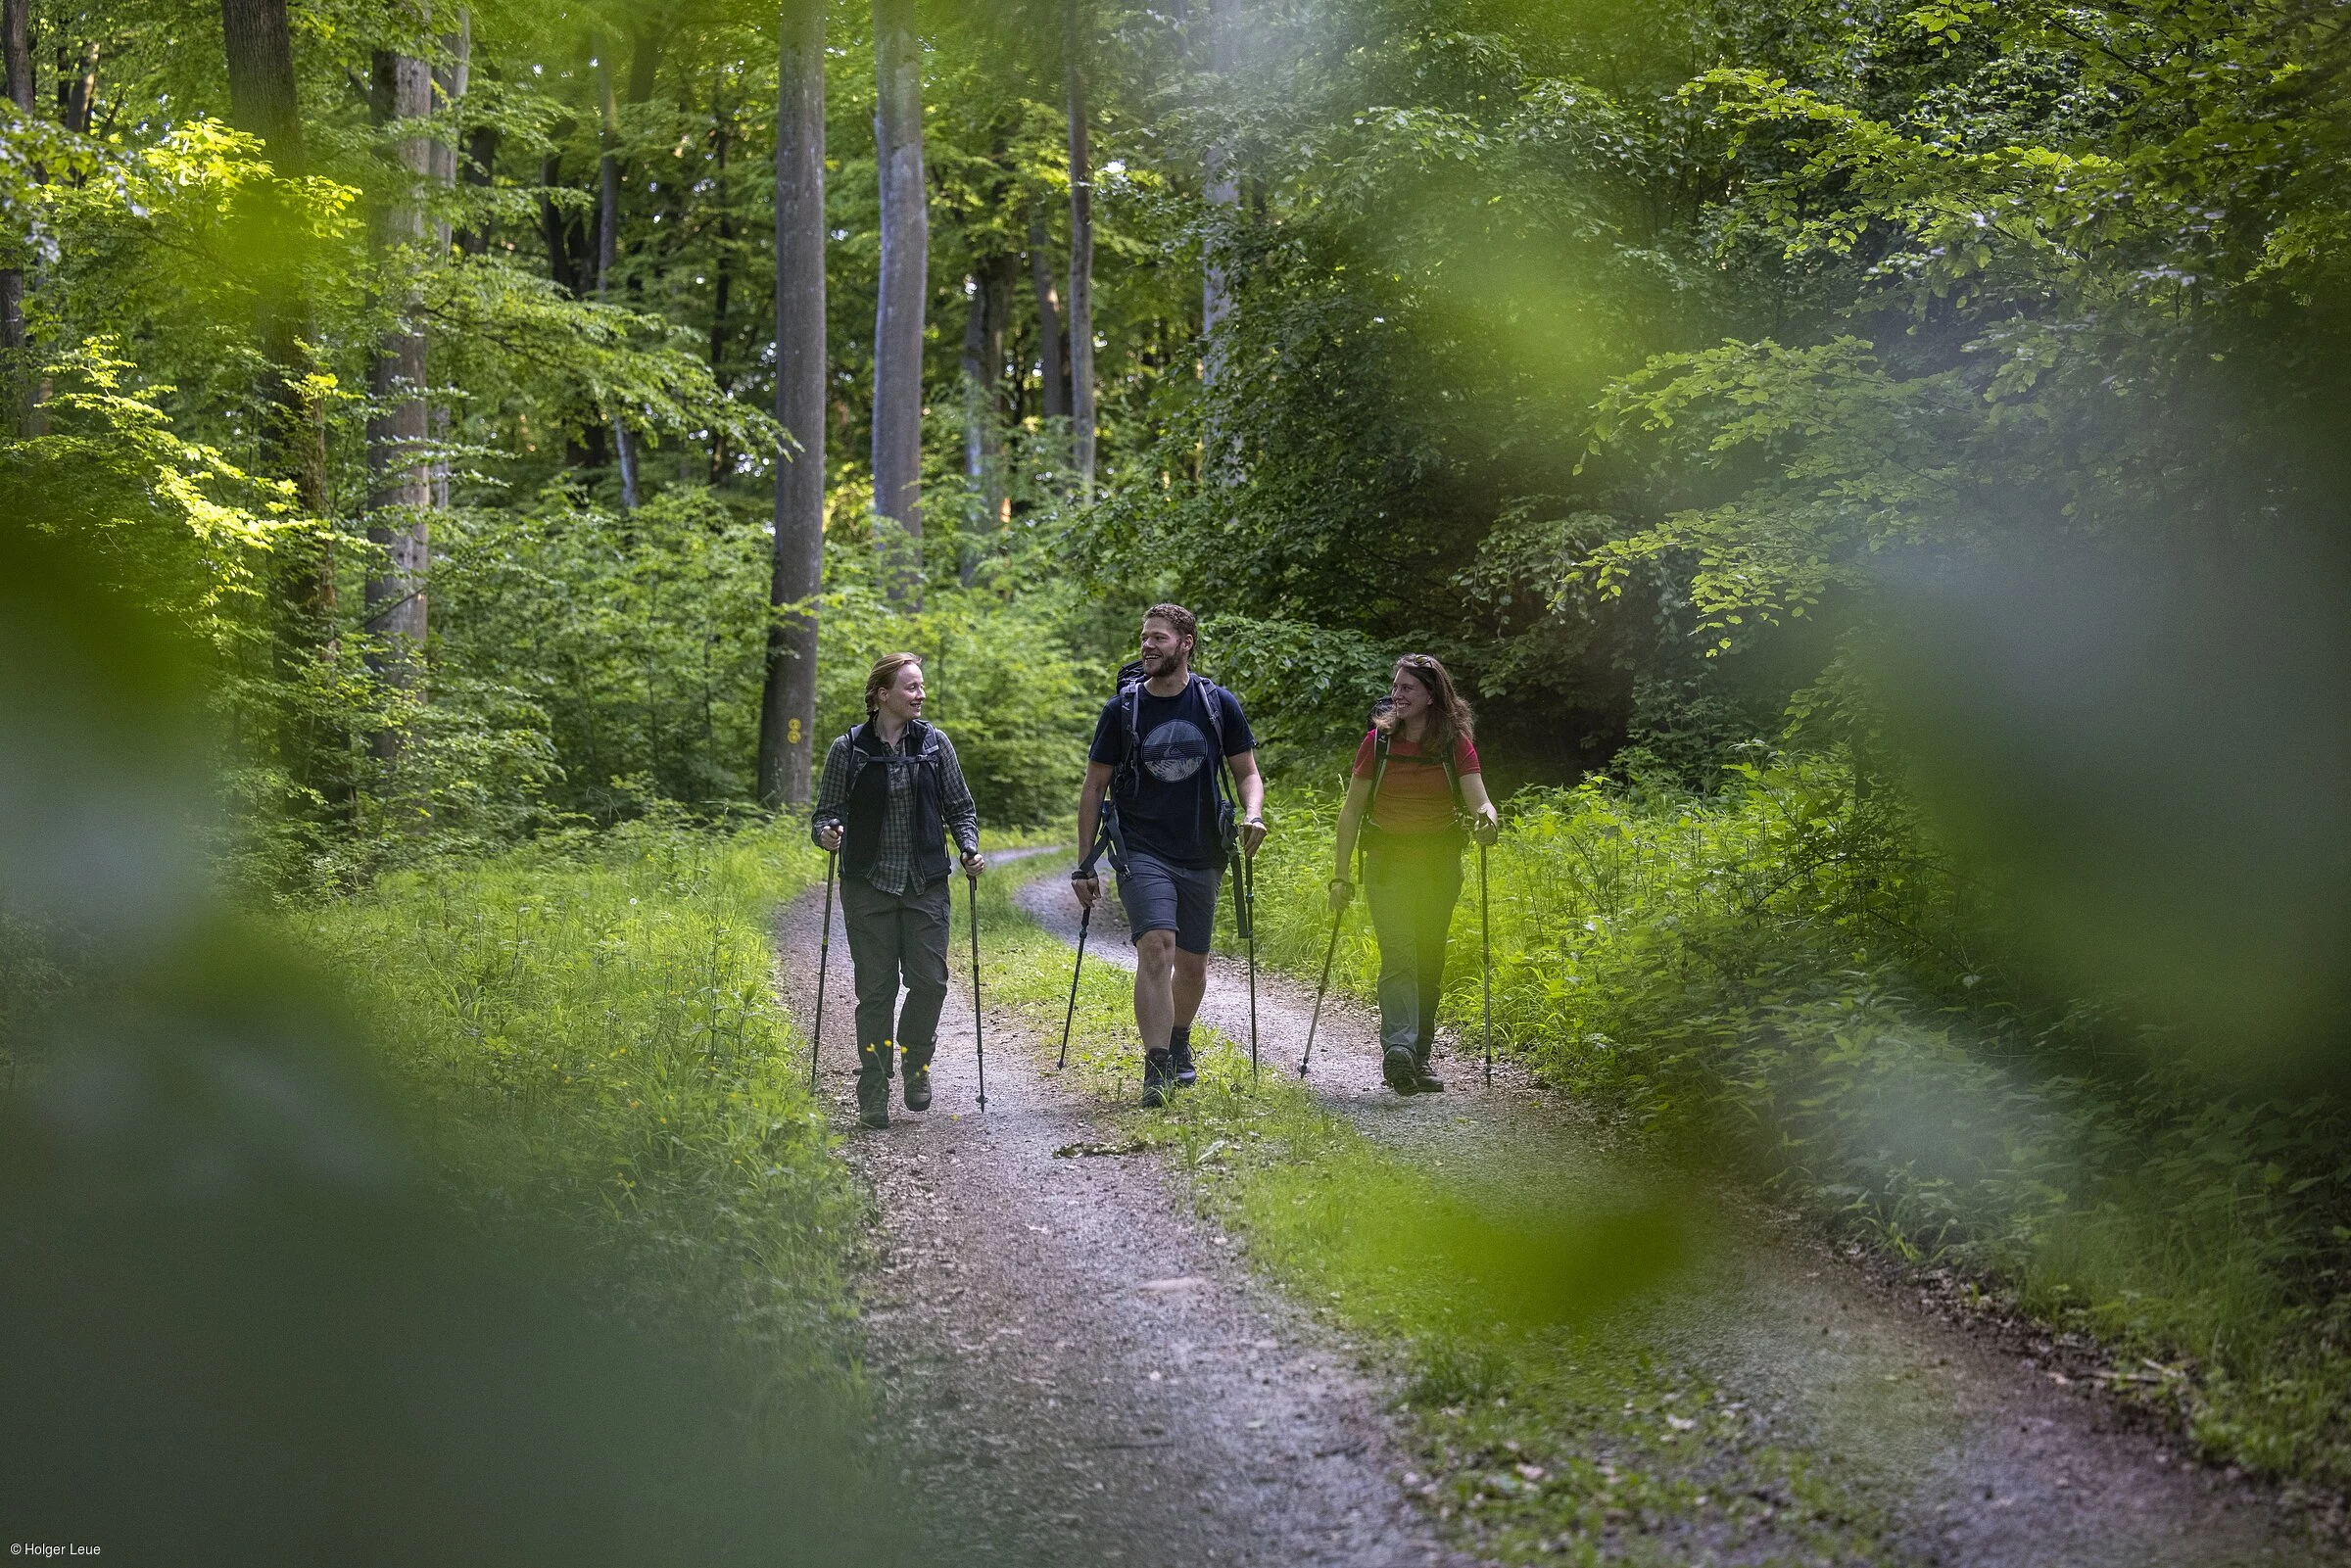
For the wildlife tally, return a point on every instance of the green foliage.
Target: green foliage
(591, 1025)
(1793, 974)
(1313, 686)
(1001, 667)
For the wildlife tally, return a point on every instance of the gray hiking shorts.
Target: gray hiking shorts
(1161, 897)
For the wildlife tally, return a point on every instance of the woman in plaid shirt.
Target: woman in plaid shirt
(890, 794)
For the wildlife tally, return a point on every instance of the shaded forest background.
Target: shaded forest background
(1876, 469)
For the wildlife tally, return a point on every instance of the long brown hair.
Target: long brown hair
(1449, 717)
(884, 675)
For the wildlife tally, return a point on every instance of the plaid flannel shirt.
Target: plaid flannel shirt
(893, 858)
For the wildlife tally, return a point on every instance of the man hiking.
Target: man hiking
(1162, 748)
(891, 792)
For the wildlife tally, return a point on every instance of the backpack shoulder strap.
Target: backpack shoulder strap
(1380, 740)
(1130, 754)
(1212, 695)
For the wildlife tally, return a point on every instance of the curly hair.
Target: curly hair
(1179, 620)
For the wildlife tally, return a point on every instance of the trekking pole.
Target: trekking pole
(823, 954)
(1249, 898)
(1314, 1018)
(1083, 920)
(1485, 945)
(971, 881)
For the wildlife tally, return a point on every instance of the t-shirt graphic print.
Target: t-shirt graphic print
(1174, 751)
(1168, 808)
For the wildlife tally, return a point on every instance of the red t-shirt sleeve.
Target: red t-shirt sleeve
(1365, 753)
(1464, 756)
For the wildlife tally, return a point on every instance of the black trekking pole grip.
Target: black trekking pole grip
(824, 956)
(979, 1035)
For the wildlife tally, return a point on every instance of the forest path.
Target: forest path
(1077, 1371)
(1981, 1445)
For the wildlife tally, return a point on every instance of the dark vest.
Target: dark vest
(870, 765)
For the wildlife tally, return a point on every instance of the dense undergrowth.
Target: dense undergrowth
(1790, 972)
(590, 1026)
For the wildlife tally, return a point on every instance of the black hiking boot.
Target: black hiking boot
(1400, 1068)
(1179, 1052)
(1424, 1080)
(1158, 1079)
(873, 1085)
(918, 1086)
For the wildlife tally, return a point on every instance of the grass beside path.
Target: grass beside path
(1789, 979)
(1545, 1429)
(590, 1028)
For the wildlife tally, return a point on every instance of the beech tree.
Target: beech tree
(1077, 47)
(788, 702)
(16, 40)
(904, 277)
(400, 479)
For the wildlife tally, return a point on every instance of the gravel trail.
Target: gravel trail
(1986, 1447)
(1081, 1373)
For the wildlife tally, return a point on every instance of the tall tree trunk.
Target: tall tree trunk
(400, 488)
(480, 159)
(1222, 191)
(1077, 52)
(788, 707)
(905, 280)
(16, 37)
(608, 246)
(999, 275)
(263, 101)
(78, 90)
(722, 278)
(1053, 366)
(984, 330)
(450, 81)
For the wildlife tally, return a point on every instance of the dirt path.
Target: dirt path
(1081, 1373)
(1982, 1452)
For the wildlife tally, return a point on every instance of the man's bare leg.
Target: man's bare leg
(1156, 961)
(1189, 985)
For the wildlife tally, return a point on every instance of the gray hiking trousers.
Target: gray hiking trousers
(894, 937)
(1412, 883)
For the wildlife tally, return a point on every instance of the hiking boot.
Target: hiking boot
(1159, 1078)
(918, 1087)
(1179, 1052)
(1424, 1080)
(873, 1085)
(1400, 1068)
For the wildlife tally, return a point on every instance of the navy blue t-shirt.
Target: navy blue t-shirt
(1171, 809)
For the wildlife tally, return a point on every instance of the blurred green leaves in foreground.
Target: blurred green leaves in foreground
(255, 1311)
